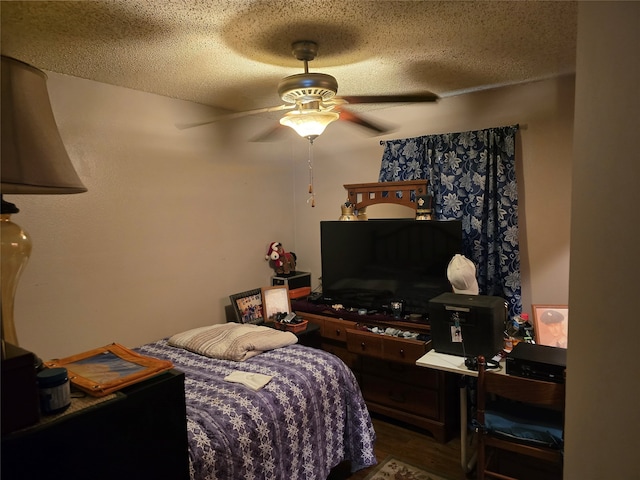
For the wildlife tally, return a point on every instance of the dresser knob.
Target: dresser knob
(362, 345)
(337, 332)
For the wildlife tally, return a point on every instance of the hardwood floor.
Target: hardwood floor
(414, 446)
(420, 448)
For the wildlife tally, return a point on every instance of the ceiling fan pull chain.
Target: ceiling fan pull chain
(312, 198)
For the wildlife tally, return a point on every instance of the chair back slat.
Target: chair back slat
(527, 390)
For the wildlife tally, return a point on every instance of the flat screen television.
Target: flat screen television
(367, 264)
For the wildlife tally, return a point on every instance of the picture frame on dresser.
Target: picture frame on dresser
(248, 306)
(551, 325)
(275, 300)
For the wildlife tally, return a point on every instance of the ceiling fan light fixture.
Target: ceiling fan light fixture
(307, 86)
(309, 123)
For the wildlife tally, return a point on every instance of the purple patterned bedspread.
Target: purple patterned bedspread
(310, 417)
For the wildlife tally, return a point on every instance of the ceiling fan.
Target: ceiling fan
(312, 102)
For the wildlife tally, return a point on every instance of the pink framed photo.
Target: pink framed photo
(551, 325)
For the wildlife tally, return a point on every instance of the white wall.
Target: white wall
(603, 395)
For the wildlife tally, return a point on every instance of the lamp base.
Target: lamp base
(16, 248)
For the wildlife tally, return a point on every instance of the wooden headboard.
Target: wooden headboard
(361, 195)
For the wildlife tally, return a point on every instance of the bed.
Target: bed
(306, 419)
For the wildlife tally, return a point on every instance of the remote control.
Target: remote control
(289, 317)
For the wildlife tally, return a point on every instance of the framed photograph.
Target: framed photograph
(104, 370)
(248, 306)
(275, 300)
(551, 325)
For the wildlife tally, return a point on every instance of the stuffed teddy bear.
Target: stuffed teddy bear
(282, 262)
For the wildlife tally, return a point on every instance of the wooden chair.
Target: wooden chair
(518, 415)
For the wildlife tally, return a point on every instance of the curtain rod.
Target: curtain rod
(517, 126)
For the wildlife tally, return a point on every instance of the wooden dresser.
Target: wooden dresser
(391, 383)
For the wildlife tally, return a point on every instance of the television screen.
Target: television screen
(367, 264)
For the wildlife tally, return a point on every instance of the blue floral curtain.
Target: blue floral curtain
(472, 178)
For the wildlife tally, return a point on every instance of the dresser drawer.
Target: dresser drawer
(335, 329)
(340, 351)
(401, 396)
(403, 350)
(402, 372)
(364, 343)
(389, 348)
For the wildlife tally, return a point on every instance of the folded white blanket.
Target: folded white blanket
(232, 341)
(254, 381)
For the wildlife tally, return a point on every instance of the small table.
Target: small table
(310, 336)
(455, 364)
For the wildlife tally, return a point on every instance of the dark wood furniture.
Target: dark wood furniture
(391, 383)
(139, 433)
(361, 195)
(529, 392)
(309, 337)
(19, 388)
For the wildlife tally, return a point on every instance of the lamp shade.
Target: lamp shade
(309, 123)
(34, 159)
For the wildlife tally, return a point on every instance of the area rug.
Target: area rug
(393, 468)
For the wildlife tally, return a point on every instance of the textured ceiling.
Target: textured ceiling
(231, 54)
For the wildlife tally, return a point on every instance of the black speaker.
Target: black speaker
(467, 325)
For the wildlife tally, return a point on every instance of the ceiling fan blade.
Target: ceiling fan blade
(230, 116)
(349, 116)
(410, 98)
(271, 134)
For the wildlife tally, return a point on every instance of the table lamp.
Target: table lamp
(34, 161)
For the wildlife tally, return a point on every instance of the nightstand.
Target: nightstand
(309, 337)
